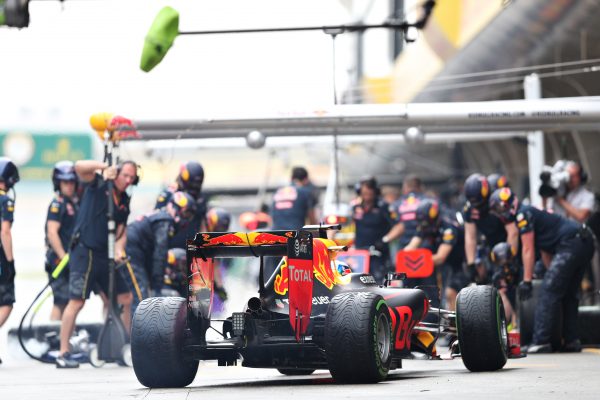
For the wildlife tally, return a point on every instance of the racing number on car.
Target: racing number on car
(403, 321)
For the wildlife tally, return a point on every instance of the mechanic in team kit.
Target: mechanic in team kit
(497, 181)
(293, 207)
(404, 211)
(89, 247)
(175, 282)
(566, 248)
(60, 222)
(218, 220)
(148, 245)
(373, 221)
(189, 180)
(445, 237)
(478, 220)
(9, 176)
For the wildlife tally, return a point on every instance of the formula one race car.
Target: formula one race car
(307, 316)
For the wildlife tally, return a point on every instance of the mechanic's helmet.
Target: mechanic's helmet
(191, 177)
(427, 215)
(176, 259)
(497, 181)
(218, 220)
(341, 267)
(9, 174)
(63, 171)
(477, 190)
(184, 205)
(504, 203)
(502, 254)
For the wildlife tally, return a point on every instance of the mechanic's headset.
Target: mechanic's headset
(120, 165)
(370, 182)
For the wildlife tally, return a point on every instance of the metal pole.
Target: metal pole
(535, 140)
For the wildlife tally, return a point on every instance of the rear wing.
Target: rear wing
(249, 244)
(297, 245)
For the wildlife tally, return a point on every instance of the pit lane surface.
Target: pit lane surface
(554, 376)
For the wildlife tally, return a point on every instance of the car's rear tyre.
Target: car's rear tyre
(157, 336)
(481, 326)
(358, 338)
(295, 371)
(526, 311)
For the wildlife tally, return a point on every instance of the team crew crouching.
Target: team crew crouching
(566, 248)
(189, 180)
(89, 251)
(445, 237)
(148, 245)
(478, 220)
(60, 222)
(9, 176)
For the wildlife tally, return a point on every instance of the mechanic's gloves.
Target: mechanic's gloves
(525, 290)
(471, 272)
(380, 246)
(7, 272)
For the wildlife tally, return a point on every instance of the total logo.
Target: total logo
(299, 275)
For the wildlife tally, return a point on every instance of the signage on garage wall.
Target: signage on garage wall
(35, 153)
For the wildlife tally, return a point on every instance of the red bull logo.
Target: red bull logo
(501, 182)
(281, 280)
(485, 189)
(322, 262)
(227, 239)
(260, 238)
(184, 173)
(433, 211)
(504, 194)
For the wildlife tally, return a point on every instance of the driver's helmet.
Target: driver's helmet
(504, 204)
(427, 215)
(9, 174)
(191, 177)
(341, 267)
(63, 171)
(184, 205)
(497, 181)
(477, 190)
(218, 220)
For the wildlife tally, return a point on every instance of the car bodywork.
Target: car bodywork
(307, 315)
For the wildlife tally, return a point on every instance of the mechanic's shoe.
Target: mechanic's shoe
(572, 347)
(539, 349)
(65, 361)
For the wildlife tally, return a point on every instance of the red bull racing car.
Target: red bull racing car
(307, 316)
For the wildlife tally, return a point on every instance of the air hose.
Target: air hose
(55, 274)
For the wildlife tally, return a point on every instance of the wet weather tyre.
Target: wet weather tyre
(295, 371)
(358, 338)
(157, 336)
(481, 326)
